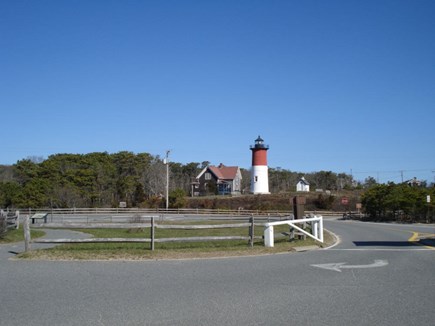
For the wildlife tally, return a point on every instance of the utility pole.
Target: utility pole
(166, 162)
(401, 174)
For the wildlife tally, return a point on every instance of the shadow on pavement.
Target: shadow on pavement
(423, 242)
(428, 242)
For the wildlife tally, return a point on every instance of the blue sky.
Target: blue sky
(329, 85)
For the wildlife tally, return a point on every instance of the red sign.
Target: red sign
(344, 201)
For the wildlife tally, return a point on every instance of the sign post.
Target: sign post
(345, 203)
(358, 207)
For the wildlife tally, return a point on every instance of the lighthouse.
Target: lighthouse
(259, 169)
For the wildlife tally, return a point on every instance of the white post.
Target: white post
(321, 228)
(314, 228)
(268, 236)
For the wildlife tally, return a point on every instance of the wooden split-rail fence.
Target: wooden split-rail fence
(153, 225)
(9, 220)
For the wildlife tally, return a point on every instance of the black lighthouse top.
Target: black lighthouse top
(259, 143)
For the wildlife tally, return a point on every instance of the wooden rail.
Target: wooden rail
(9, 220)
(90, 215)
(158, 211)
(152, 240)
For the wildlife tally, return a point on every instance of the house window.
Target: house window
(256, 178)
(207, 176)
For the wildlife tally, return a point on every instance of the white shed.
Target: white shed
(303, 185)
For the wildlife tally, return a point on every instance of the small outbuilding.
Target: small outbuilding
(303, 185)
(414, 182)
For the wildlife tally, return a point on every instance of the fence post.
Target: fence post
(152, 233)
(17, 221)
(3, 222)
(26, 229)
(251, 232)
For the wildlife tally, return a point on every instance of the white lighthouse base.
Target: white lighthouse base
(260, 179)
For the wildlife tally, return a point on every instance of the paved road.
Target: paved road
(270, 290)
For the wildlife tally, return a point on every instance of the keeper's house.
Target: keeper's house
(218, 180)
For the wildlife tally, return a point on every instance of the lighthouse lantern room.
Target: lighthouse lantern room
(259, 169)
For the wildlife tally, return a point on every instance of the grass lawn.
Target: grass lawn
(171, 250)
(18, 235)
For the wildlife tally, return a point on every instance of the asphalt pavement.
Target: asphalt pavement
(377, 274)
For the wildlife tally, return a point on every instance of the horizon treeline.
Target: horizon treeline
(104, 180)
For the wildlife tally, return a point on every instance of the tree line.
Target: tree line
(89, 180)
(103, 180)
(399, 202)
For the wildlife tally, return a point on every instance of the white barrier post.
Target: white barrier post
(321, 228)
(315, 230)
(268, 236)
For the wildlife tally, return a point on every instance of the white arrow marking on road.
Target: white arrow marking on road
(339, 266)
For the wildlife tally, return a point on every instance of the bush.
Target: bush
(324, 202)
(177, 199)
(396, 202)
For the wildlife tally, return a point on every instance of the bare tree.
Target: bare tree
(154, 178)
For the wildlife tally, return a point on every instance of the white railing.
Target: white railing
(316, 229)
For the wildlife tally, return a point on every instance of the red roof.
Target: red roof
(224, 172)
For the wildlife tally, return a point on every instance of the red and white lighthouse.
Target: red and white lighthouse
(259, 169)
